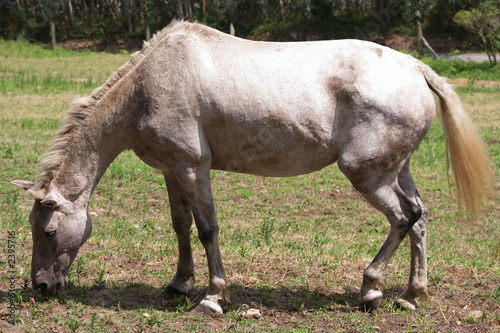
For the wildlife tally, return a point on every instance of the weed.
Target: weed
(267, 229)
(471, 319)
(496, 294)
(118, 304)
(93, 326)
(73, 324)
(100, 282)
(184, 304)
(436, 278)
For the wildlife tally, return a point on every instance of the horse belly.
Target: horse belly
(270, 152)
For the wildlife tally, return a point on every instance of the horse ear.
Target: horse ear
(23, 184)
(30, 187)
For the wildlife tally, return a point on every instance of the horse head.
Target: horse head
(59, 228)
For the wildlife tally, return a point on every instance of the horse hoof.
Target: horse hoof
(207, 309)
(406, 305)
(171, 290)
(371, 301)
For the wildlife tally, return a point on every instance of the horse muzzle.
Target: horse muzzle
(48, 284)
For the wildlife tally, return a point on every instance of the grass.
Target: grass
(293, 247)
(464, 69)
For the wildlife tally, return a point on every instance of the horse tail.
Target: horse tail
(464, 146)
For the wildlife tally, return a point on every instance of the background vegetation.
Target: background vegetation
(111, 19)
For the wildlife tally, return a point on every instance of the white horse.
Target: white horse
(196, 99)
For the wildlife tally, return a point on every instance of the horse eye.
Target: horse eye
(50, 233)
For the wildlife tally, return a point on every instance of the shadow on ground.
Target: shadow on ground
(134, 296)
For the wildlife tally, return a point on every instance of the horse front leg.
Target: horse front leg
(182, 219)
(195, 182)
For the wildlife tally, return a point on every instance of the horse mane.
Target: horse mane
(81, 108)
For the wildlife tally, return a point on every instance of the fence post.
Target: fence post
(420, 48)
(52, 34)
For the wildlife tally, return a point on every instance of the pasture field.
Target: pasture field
(294, 248)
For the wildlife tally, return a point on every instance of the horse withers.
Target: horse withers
(195, 99)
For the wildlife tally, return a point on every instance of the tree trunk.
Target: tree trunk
(52, 34)
(116, 10)
(129, 19)
(187, 4)
(377, 5)
(111, 11)
(180, 14)
(85, 10)
(70, 10)
(63, 10)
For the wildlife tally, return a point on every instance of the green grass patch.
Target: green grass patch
(464, 69)
(24, 49)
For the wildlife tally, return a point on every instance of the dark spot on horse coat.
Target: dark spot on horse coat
(378, 51)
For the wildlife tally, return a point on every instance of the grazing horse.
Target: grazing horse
(195, 99)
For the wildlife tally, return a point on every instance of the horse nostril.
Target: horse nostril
(42, 288)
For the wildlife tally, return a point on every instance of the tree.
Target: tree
(484, 22)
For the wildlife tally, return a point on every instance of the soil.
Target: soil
(467, 308)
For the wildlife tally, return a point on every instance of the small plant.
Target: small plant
(93, 326)
(26, 284)
(267, 229)
(452, 288)
(184, 304)
(496, 294)
(73, 324)
(118, 304)
(471, 319)
(436, 278)
(101, 280)
(154, 320)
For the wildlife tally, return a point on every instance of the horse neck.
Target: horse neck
(103, 135)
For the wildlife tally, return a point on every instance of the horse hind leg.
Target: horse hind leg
(417, 286)
(182, 219)
(382, 190)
